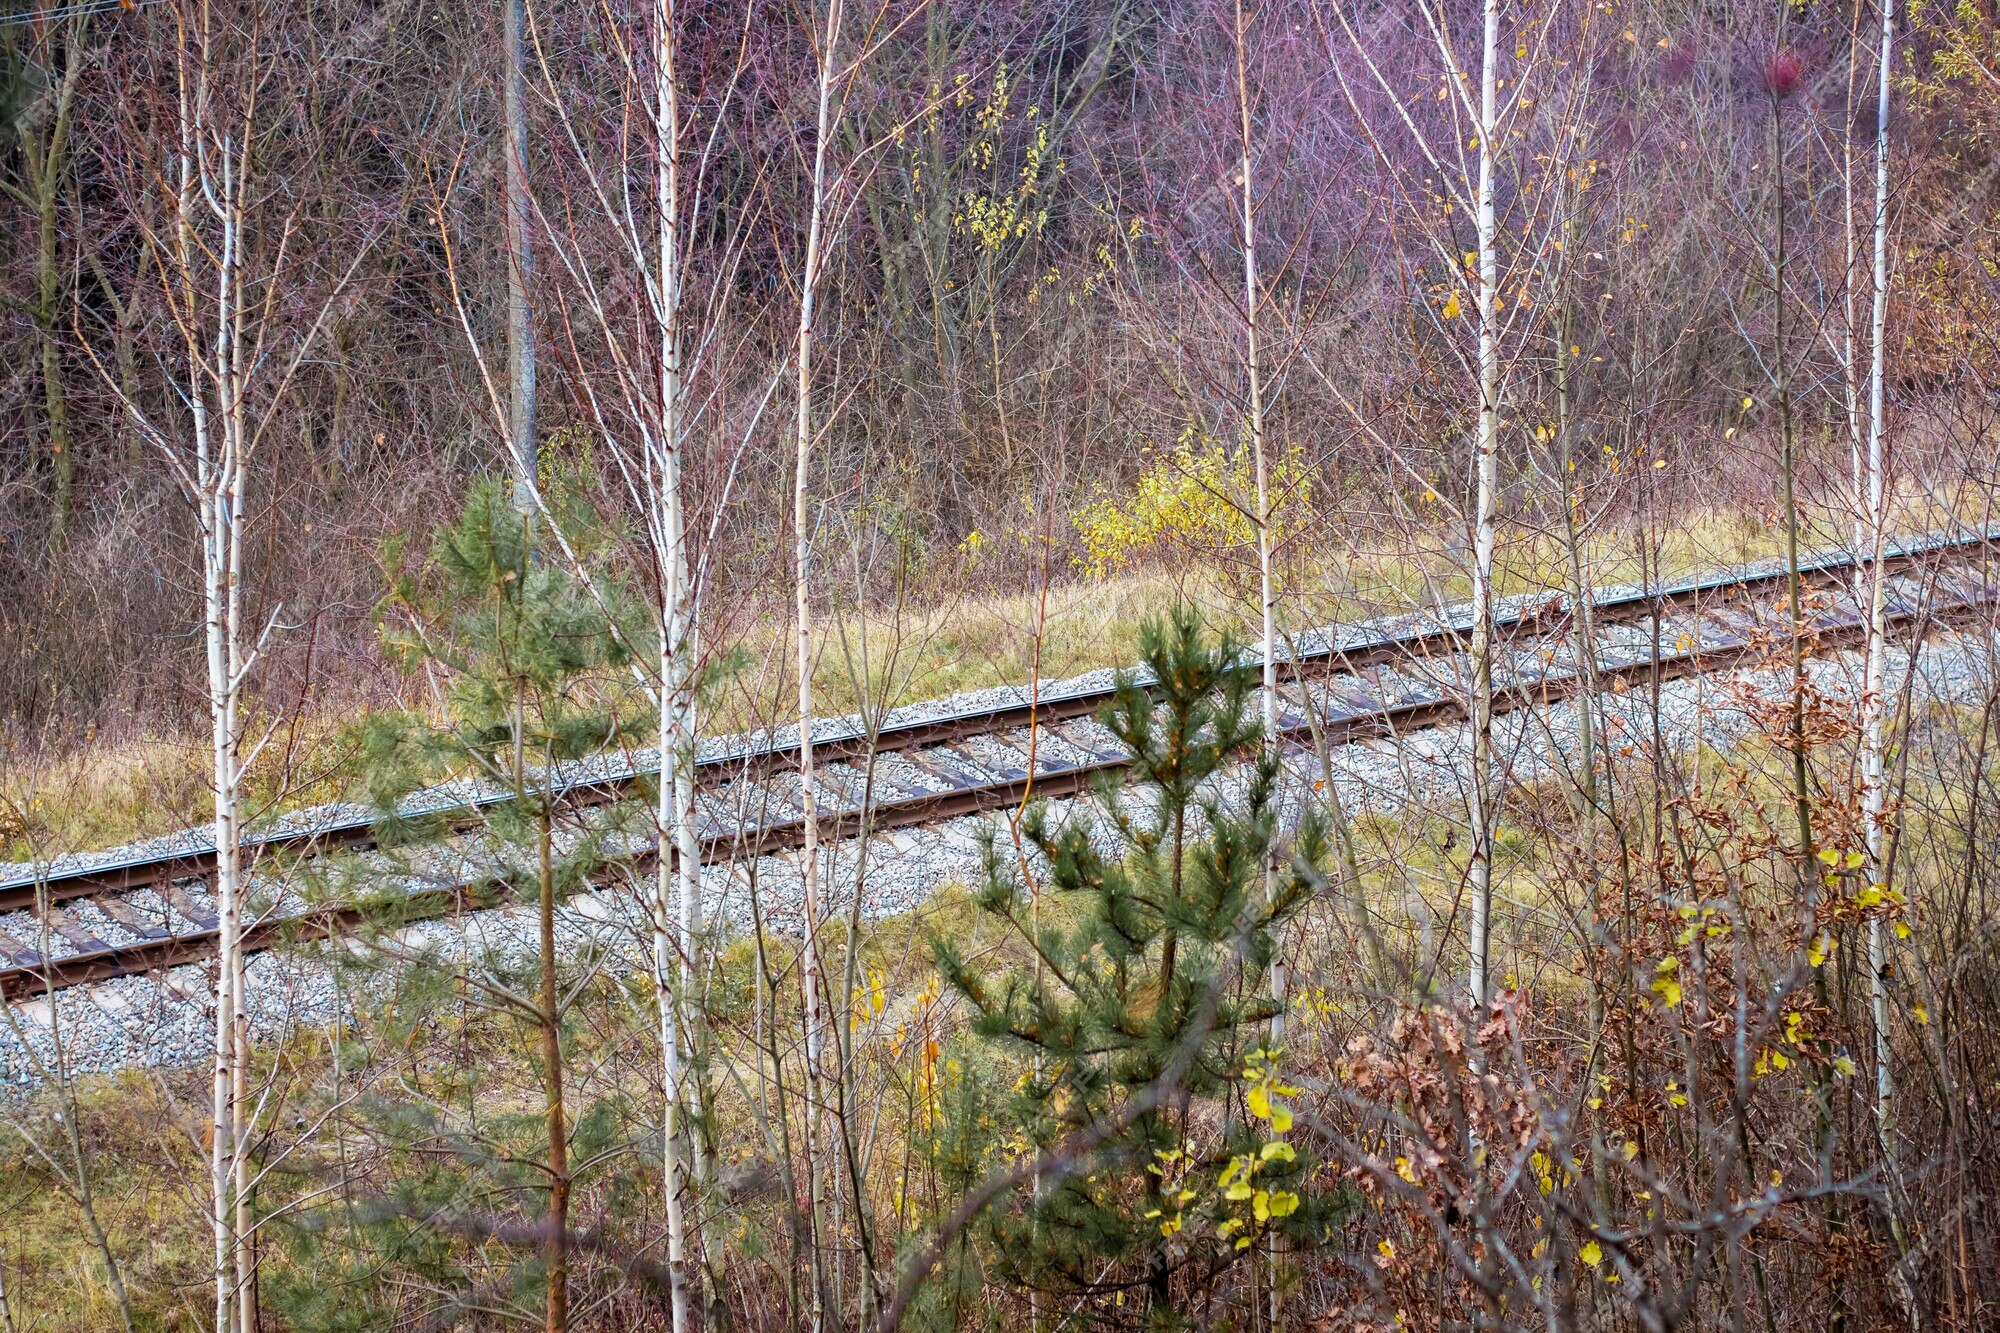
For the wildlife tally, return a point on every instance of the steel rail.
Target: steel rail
(29, 889)
(1341, 725)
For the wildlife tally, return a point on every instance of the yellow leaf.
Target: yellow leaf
(1843, 1066)
(1592, 1253)
(1260, 1103)
(1281, 1119)
(1451, 307)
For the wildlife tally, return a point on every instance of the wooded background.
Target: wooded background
(1028, 286)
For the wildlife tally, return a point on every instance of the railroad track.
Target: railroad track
(1381, 681)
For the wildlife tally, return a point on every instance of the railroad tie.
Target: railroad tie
(1088, 746)
(79, 936)
(998, 767)
(16, 953)
(177, 896)
(128, 916)
(1738, 628)
(926, 760)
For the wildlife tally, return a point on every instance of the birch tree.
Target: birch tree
(666, 527)
(826, 41)
(1870, 538)
(1475, 119)
(1486, 450)
(830, 166)
(649, 378)
(229, 347)
(205, 281)
(1267, 593)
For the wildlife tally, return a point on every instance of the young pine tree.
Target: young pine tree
(528, 665)
(1138, 999)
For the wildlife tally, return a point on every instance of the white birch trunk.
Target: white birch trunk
(673, 939)
(203, 257)
(1870, 535)
(1480, 806)
(215, 416)
(215, 394)
(802, 527)
(1253, 369)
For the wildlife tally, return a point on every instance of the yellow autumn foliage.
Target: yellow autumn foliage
(1201, 497)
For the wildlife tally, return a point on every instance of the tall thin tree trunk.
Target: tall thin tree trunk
(555, 1317)
(236, 373)
(202, 271)
(214, 374)
(55, 403)
(1869, 538)
(47, 159)
(1788, 470)
(1267, 596)
(680, 867)
(211, 301)
(1482, 800)
(802, 535)
(1254, 405)
(219, 636)
(520, 322)
(1782, 78)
